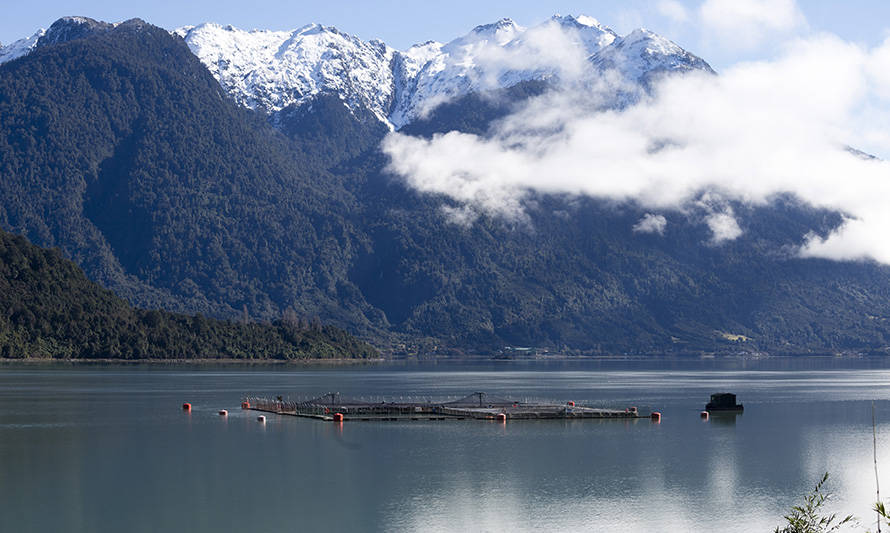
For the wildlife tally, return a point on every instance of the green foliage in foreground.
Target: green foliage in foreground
(49, 309)
(809, 517)
(882, 513)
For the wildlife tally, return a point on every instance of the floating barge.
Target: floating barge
(476, 406)
(724, 402)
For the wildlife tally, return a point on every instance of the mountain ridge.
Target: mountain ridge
(122, 149)
(274, 70)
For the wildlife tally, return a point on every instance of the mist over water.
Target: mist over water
(107, 448)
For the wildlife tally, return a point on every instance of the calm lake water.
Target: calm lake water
(107, 448)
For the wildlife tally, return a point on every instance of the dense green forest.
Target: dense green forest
(49, 309)
(120, 148)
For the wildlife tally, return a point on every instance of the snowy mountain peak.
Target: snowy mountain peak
(651, 41)
(504, 25)
(275, 70)
(588, 21)
(499, 33)
(272, 70)
(642, 55)
(579, 21)
(585, 30)
(21, 47)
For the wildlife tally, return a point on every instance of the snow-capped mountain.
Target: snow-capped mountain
(642, 54)
(275, 70)
(493, 56)
(21, 47)
(271, 70)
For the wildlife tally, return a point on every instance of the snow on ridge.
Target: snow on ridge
(273, 70)
(500, 32)
(21, 47)
(494, 56)
(642, 54)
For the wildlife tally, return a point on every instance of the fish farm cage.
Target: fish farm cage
(476, 406)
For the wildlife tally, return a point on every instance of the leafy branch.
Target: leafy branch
(809, 517)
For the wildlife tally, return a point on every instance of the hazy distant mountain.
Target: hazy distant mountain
(120, 146)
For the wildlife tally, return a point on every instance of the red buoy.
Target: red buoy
(338, 417)
(223, 412)
(705, 415)
(656, 416)
(186, 407)
(501, 417)
(245, 405)
(571, 403)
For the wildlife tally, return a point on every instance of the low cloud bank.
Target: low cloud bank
(756, 131)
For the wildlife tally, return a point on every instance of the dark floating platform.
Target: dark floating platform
(724, 402)
(476, 406)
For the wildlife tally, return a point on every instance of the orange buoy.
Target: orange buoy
(261, 418)
(245, 405)
(338, 417)
(223, 412)
(186, 407)
(570, 403)
(705, 415)
(501, 417)
(656, 416)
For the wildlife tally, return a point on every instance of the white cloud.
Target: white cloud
(548, 47)
(758, 130)
(748, 23)
(651, 223)
(673, 10)
(723, 226)
(463, 216)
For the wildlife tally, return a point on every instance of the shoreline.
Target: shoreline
(234, 362)
(415, 359)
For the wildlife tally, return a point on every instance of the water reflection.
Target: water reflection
(112, 450)
(724, 419)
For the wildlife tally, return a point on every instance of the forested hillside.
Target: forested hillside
(122, 150)
(49, 309)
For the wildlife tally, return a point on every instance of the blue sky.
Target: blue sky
(402, 23)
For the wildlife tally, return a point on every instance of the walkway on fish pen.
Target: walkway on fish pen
(476, 406)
